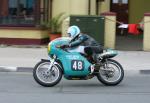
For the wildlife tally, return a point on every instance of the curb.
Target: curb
(15, 69)
(30, 69)
(23, 46)
(8, 69)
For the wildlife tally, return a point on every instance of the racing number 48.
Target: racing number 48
(77, 65)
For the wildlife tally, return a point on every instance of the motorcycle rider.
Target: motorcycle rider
(90, 46)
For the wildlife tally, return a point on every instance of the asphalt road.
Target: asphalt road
(16, 87)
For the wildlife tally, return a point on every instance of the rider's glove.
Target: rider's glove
(64, 46)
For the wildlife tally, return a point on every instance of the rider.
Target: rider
(91, 46)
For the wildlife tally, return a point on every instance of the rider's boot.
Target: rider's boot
(95, 58)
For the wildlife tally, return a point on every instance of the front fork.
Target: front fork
(102, 63)
(106, 66)
(52, 61)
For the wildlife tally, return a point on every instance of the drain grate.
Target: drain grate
(24, 69)
(145, 71)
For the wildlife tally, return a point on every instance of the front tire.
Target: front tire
(106, 77)
(44, 77)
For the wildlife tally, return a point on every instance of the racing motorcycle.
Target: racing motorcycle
(76, 66)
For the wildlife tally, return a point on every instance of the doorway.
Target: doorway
(121, 9)
(124, 40)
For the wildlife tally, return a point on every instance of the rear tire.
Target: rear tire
(42, 80)
(101, 78)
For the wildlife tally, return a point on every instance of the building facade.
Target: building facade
(20, 19)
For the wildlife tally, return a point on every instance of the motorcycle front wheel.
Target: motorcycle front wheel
(44, 77)
(111, 73)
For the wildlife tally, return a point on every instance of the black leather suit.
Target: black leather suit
(92, 47)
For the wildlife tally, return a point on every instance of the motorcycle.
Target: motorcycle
(76, 66)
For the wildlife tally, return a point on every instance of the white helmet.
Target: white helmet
(73, 31)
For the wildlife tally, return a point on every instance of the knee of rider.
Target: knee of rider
(88, 50)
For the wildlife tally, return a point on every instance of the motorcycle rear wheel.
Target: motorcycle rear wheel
(106, 77)
(44, 77)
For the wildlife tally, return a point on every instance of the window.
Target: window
(120, 1)
(20, 12)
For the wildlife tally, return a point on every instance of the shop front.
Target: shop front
(20, 21)
(130, 12)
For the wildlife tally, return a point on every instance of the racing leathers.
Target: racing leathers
(91, 46)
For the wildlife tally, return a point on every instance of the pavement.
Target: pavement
(24, 58)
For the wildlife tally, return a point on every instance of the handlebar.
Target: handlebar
(60, 47)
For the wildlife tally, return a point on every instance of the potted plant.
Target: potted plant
(54, 26)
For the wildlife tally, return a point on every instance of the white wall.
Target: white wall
(104, 6)
(93, 7)
(60, 6)
(79, 7)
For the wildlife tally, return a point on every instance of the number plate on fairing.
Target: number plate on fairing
(77, 65)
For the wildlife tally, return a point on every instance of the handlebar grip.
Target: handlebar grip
(58, 46)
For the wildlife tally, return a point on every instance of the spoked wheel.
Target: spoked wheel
(47, 78)
(111, 73)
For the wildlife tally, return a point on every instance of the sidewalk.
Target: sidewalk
(24, 59)
(12, 58)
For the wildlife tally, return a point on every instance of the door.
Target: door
(121, 9)
(3, 8)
